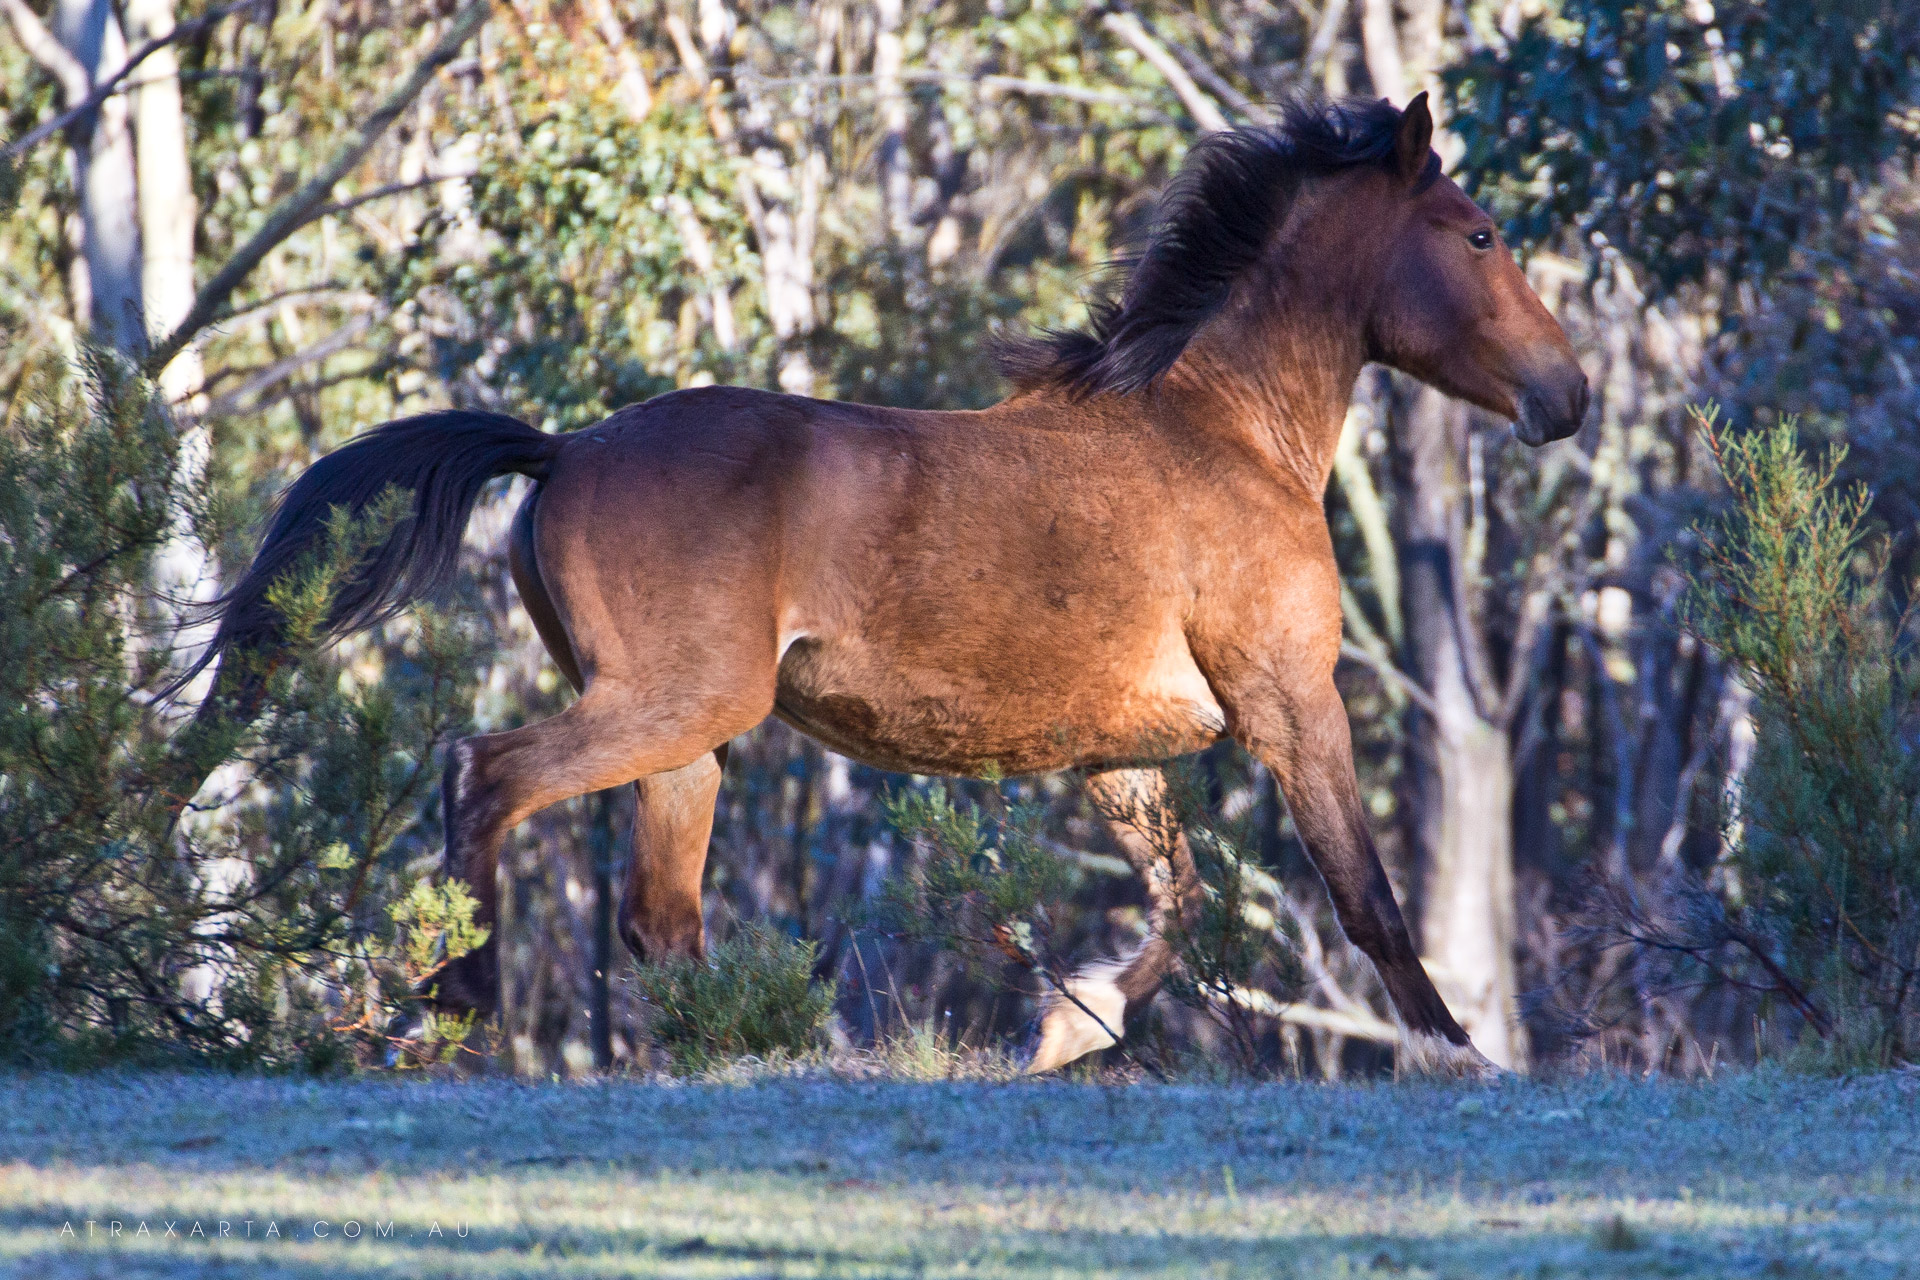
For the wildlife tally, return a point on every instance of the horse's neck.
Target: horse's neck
(1281, 381)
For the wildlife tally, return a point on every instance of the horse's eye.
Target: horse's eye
(1481, 239)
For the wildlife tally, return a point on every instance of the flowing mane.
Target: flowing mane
(1213, 222)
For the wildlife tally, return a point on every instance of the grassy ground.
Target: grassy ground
(1754, 1175)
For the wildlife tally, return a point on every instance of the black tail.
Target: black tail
(444, 458)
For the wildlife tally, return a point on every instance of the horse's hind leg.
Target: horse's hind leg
(673, 812)
(662, 720)
(494, 782)
(660, 914)
(1134, 804)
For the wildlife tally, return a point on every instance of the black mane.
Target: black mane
(1213, 221)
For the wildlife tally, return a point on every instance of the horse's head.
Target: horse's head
(1450, 306)
(1454, 309)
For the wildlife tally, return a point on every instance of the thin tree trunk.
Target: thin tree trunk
(186, 571)
(1459, 764)
(636, 95)
(600, 985)
(896, 177)
(781, 195)
(103, 165)
(167, 207)
(1381, 41)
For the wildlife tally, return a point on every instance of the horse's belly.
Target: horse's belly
(895, 716)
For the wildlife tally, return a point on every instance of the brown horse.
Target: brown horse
(1129, 550)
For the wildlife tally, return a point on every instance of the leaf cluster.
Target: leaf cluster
(248, 923)
(752, 995)
(985, 886)
(1825, 841)
(1698, 139)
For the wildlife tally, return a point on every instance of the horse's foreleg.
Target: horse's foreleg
(1309, 748)
(660, 912)
(1133, 802)
(494, 782)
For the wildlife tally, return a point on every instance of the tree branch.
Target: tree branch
(1202, 71)
(1205, 112)
(332, 344)
(1387, 671)
(1320, 48)
(310, 202)
(48, 52)
(85, 101)
(1370, 515)
(381, 193)
(985, 82)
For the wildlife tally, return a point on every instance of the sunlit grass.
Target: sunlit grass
(1757, 1175)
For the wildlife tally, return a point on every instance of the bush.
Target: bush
(255, 927)
(985, 887)
(754, 995)
(988, 887)
(1824, 861)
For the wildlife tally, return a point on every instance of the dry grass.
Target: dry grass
(802, 1175)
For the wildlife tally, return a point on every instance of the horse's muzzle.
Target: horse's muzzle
(1552, 410)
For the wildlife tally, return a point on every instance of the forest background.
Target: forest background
(304, 219)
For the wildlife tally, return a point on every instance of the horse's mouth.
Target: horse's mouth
(1554, 415)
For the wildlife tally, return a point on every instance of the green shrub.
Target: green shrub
(257, 929)
(1824, 863)
(753, 995)
(988, 887)
(984, 888)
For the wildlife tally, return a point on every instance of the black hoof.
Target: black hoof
(470, 984)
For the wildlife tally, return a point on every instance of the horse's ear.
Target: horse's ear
(1415, 140)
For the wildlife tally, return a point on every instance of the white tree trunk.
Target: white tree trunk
(1381, 41)
(186, 572)
(896, 178)
(104, 177)
(1468, 925)
(1461, 768)
(167, 207)
(781, 195)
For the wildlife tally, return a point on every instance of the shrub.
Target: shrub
(753, 995)
(987, 886)
(1824, 861)
(256, 928)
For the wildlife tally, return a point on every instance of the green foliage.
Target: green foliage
(581, 217)
(1695, 138)
(1826, 846)
(754, 994)
(985, 886)
(1237, 940)
(434, 926)
(252, 927)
